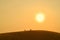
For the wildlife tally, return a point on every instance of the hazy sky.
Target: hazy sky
(18, 15)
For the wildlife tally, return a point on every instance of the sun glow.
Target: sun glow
(40, 17)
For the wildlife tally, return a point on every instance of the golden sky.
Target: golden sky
(19, 15)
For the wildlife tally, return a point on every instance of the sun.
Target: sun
(40, 17)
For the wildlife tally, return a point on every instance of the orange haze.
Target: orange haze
(18, 15)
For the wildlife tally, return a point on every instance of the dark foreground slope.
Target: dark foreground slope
(30, 35)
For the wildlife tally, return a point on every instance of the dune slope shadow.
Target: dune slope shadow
(31, 35)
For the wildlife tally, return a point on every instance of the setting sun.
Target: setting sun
(40, 17)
